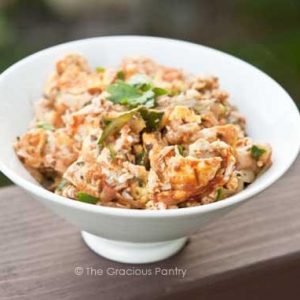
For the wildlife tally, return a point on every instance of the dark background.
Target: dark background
(265, 33)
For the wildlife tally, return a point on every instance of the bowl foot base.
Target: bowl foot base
(134, 253)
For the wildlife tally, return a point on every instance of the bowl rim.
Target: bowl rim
(182, 212)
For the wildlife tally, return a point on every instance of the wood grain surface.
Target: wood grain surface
(252, 253)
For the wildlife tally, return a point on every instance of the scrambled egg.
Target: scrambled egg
(142, 136)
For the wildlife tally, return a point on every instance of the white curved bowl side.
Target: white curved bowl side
(271, 117)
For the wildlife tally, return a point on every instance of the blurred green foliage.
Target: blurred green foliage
(271, 41)
(265, 33)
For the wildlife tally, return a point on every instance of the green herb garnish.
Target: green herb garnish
(159, 91)
(173, 93)
(219, 194)
(112, 152)
(87, 103)
(126, 94)
(138, 90)
(180, 149)
(116, 124)
(145, 87)
(151, 117)
(142, 158)
(139, 158)
(257, 152)
(145, 98)
(139, 80)
(84, 197)
(121, 91)
(45, 126)
(100, 69)
(121, 75)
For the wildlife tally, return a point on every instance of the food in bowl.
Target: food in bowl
(141, 136)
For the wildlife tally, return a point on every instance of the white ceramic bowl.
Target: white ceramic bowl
(139, 236)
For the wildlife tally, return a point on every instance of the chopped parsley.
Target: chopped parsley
(180, 149)
(137, 91)
(45, 126)
(130, 95)
(159, 91)
(257, 152)
(87, 103)
(100, 70)
(151, 117)
(112, 151)
(219, 194)
(139, 80)
(84, 197)
(122, 92)
(121, 75)
(115, 125)
(140, 158)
